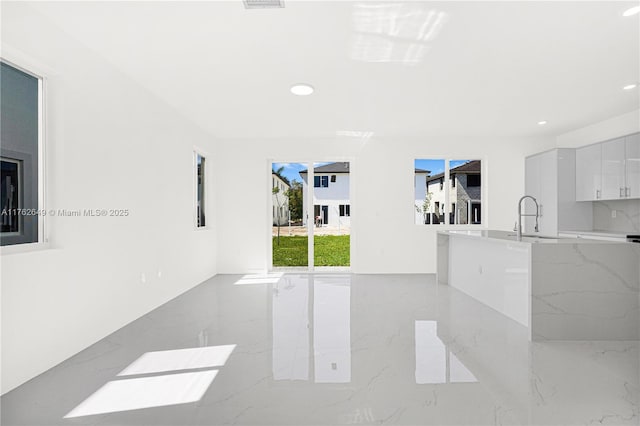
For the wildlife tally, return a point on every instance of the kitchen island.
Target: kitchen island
(559, 288)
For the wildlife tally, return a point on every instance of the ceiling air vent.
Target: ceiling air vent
(263, 4)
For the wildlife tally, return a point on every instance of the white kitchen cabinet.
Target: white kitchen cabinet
(589, 173)
(613, 169)
(541, 182)
(609, 170)
(632, 162)
(550, 179)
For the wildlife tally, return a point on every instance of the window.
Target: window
(321, 214)
(333, 178)
(450, 194)
(321, 181)
(345, 210)
(20, 158)
(474, 212)
(11, 188)
(473, 180)
(200, 190)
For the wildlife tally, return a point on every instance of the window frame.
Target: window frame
(447, 189)
(19, 174)
(479, 180)
(470, 210)
(203, 154)
(321, 180)
(37, 71)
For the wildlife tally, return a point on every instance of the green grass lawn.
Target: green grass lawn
(330, 250)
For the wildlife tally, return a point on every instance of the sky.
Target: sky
(436, 166)
(291, 170)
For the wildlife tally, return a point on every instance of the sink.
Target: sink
(541, 237)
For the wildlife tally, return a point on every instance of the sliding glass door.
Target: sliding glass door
(332, 214)
(310, 214)
(289, 233)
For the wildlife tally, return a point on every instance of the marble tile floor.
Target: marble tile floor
(331, 349)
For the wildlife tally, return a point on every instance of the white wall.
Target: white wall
(332, 196)
(384, 236)
(110, 144)
(621, 125)
(420, 185)
(279, 201)
(438, 196)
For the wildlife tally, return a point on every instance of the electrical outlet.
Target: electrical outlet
(613, 214)
(143, 278)
(159, 273)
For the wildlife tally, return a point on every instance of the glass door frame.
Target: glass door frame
(309, 212)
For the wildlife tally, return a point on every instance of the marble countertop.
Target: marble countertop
(599, 233)
(510, 236)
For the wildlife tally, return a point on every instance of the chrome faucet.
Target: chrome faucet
(520, 214)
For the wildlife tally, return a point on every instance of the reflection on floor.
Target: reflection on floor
(301, 349)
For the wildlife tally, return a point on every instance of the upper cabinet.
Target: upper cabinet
(550, 179)
(589, 173)
(541, 182)
(609, 170)
(613, 170)
(632, 146)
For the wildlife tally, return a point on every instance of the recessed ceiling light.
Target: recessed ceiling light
(302, 89)
(354, 133)
(630, 86)
(542, 123)
(263, 4)
(632, 11)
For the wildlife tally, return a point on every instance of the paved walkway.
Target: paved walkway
(318, 230)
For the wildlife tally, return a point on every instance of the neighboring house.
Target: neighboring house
(331, 204)
(420, 190)
(465, 194)
(280, 200)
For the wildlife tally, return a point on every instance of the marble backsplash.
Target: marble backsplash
(627, 214)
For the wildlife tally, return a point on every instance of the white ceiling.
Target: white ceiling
(396, 69)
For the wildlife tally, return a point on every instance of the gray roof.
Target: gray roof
(342, 167)
(282, 178)
(469, 168)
